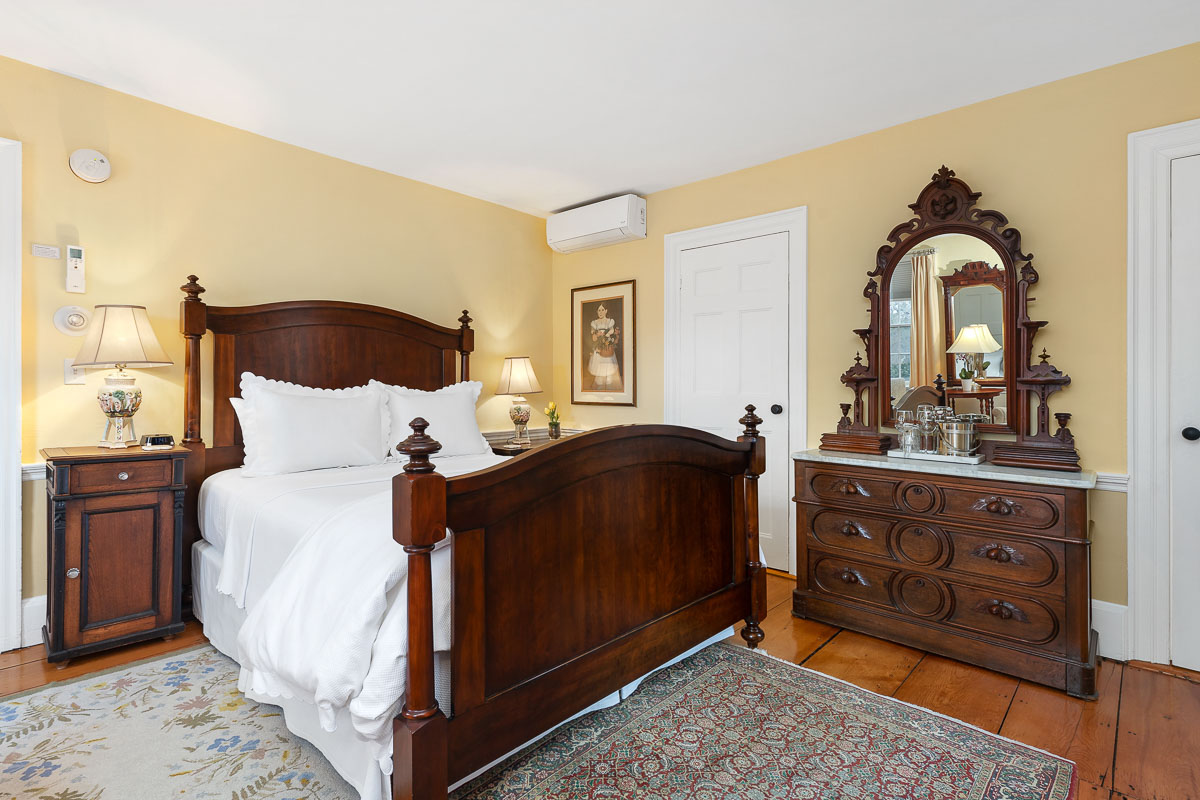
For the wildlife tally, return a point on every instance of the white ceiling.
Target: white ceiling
(543, 104)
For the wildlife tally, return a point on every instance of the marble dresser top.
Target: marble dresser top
(1039, 477)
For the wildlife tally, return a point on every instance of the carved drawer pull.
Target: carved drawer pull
(1001, 609)
(1000, 553)
(998, 505)
(853, 576)
(849, 487)
(852, 528)
(122, 476)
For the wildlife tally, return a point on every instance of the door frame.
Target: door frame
(1148, 519)
(794, 222)
(10, 395)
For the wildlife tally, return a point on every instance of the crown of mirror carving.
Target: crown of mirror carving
(947, 205)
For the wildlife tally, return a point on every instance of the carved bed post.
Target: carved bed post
(755, 466)
(192, 324)
(466, 343)
(419, 748)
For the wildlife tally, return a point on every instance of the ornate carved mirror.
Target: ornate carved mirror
(949, 324)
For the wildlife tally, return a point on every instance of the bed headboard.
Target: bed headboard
(324, 343)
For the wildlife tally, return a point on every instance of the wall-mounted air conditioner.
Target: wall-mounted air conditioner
(598, 224)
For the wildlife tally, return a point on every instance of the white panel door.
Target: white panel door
(1185, 411)
(733, 351)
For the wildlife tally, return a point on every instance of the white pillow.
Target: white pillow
(252, 384)
(282, 436)
(450, 412)
(294, 433)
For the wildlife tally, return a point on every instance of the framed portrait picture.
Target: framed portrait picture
(604, 345)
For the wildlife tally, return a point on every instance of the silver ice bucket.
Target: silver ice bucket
(961, 437)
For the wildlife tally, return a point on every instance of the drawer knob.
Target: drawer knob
(73, 573)
(849, 577)
(998, 554)
(849, 529)
(122, 476)
(1002, 610)
(997, 505)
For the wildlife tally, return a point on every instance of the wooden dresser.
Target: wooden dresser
(114, 547)
(988, 565)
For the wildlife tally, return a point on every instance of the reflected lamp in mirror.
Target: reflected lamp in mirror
(120, 336)
(517, 379)
(970, 345)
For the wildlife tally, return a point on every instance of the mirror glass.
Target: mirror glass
(947, 293)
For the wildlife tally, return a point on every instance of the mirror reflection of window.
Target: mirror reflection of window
(900, 322)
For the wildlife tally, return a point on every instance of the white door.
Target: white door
(733, 351)
(1185, 411)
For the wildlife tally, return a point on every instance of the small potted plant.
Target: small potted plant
(555, 424)
(967, 376)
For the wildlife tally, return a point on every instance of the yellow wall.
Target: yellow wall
(258, 221)
(1052, 158)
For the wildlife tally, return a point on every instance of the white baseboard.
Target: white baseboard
(33, 617)
(1111, 621)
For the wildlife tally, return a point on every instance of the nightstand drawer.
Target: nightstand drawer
(119, 476)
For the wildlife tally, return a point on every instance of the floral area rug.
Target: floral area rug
(175, 727)
(730, 723)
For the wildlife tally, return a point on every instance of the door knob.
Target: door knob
(1191, 434)
(777, 409)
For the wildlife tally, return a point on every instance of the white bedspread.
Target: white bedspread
(328, 623)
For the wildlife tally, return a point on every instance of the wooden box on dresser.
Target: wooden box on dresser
(114, 547)
(988, 565)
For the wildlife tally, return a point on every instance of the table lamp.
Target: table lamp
(120, 336)
(973, 341)
(517, 379)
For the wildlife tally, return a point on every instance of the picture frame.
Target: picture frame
(604, 344)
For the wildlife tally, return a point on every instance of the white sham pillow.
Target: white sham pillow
(261, 437)
(450, 412)
(295, 433)
(252, 384)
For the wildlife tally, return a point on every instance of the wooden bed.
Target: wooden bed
(577, 567)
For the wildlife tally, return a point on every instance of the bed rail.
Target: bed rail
(577, 568)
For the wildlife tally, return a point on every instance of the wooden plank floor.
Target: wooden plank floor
(1139, 741)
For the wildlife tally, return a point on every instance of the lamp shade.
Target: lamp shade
(974, 339)
(121, 335)
(516, 377)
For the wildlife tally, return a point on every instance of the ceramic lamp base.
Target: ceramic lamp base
(519, 414)
(119, 399)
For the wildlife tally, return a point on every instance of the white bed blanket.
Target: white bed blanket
(331, 628)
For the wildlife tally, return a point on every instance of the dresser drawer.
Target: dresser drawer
(849, 530)
(1020, 619)
(119, 476)
(1003, 507)
(861, 490)
(841, 577)
(1006, 558)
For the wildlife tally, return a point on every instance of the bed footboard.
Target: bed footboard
(577, 568)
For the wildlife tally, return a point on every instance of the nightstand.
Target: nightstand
(114, 547)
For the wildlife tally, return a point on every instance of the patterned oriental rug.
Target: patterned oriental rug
(724, 723)
(732, 723)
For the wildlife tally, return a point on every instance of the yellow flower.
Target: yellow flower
(552, 405)
(546, 411)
